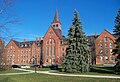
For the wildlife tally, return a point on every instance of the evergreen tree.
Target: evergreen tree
(77, 53)
(116, 30)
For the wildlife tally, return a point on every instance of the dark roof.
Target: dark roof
(57, 32)
(27, 44)
(92, 37)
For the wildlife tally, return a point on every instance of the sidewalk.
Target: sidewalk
(15, 73)
(93, 76)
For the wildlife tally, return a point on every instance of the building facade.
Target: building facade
(23, 53)
(54, 43)
(52, 48)
(49, 50)
(104, 44)
(2, 57)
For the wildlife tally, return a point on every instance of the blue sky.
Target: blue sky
(37, 15)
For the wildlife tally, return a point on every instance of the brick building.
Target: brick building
(54, 43)
(48, 51)
(104, 44)
(23, 53)
(52, 48)
(2, 52)
(1, 43)
(101, 47)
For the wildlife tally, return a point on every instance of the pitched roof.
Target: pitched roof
(27, 44)
(57, 32)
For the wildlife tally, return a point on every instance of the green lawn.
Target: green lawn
(39, 69)
(106, 71)
(10, 71)
(51, 78)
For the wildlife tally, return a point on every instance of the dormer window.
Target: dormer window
(25, 45)
(22, 45)
(28, 45)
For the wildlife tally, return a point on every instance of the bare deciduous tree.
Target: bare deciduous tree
(6, 18)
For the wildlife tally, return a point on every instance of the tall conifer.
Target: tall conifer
(77, 53)
(116, 30)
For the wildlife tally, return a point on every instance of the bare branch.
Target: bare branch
(5, 4)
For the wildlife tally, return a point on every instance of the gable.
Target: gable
(107, 34)
(11, 43)
(50, 34)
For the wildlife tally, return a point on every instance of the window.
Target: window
(53, 60)
(110, 45)
(62, 54)
(47, 43)
(53, 25)
(50, 41)
(25, 45)
(62, 42)
(105, 39)
(56, 25)
(101, 58)
(106, 51)
(101, 51)
(106, 45)
(47, 60)
(51, 51)
(100, 45)
(112, 57)
(110, 51)
(47, 51)
(28, 45)
(62, 49)
(106, 57)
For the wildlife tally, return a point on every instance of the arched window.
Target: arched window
(50, 41)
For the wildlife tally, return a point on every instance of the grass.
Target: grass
(10, 71)
(39, 69)
(96, 70)
(51, 78)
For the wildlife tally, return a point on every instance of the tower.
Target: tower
(56, 24)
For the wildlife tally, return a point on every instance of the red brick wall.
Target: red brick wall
(21, 56)
(103, 54)
(57, 58)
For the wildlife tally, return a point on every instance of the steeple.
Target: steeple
(56, 22)
(56, 17)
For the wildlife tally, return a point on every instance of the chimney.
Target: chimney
(95, 34)
(36, 39)
(24, 39)
(41, 38)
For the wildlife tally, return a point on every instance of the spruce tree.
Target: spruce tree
(116, 30)
(77, 53)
